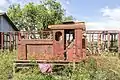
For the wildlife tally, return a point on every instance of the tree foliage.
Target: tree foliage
(68, 18)
(36, 16)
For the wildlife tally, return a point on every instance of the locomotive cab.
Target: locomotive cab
(69, 40)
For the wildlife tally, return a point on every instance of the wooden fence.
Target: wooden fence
(8, 40)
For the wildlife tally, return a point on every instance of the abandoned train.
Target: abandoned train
(61, 42)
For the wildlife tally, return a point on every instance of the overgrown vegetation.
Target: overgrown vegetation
(104, 67)
(6, 64)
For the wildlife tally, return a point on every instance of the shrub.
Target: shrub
(6, 64)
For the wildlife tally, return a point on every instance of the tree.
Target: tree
(68, 18)
(55, 11)
(15, 14)
(29, 13)
(36, 16)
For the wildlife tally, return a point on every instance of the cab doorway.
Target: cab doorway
(68, 40)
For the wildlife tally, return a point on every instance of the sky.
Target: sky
(97, 14)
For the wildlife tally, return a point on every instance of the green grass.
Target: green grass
(104, 67)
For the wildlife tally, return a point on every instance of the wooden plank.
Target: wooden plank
(108, 44)
(119, 43)
(44, 61)
(2, 40)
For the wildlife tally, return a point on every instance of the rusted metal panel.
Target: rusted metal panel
(78, 43)
(71, 54)
(58, 45)
(42, 42)
(32, 48)
(21, 52)
(40, 52)
(79, 25)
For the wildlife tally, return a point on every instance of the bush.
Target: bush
(6, 64)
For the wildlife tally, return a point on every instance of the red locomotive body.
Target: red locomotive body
(64, 42)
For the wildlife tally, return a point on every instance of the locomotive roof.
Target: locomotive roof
(68, 25)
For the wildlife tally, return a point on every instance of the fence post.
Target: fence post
(2, 40)
(15, 40)
(11, 44)
(92, 43)
(108, 45)
(19, 36)
(119, 44)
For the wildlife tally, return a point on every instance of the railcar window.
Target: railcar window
(58, 36)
